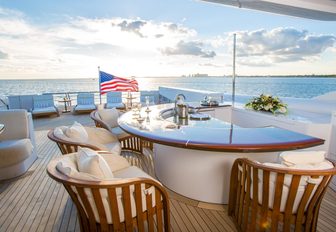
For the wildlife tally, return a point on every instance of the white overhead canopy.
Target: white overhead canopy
(311, 9)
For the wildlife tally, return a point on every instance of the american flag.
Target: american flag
(109, 83)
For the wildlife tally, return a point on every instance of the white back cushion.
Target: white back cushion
(113, 97)
(43, 101)
(103, 139)
(77, 132)
(85, 99)
(89, 161)
(116, 162)
(109, 116)
(290, 158)
(16, 124)
(68, 167)
(287, 182)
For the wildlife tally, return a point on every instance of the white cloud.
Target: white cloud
(5, 12)
(81, 44)
(3, 55)
(139, 47)
(192, 48)
(265, 47)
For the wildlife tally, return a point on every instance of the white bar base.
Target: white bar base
(200, 175)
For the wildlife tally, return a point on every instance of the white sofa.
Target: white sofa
(17, 143)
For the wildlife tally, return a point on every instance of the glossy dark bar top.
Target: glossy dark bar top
(213, 134)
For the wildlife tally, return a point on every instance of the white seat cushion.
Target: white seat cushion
(50, 109)
(115, 162)
(119, 132)
(131, 172)
(114, 147)
(14, 151)
(84, 107)
(89, 161)
(117, 105)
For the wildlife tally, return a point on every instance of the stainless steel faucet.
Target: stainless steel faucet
(177, 97)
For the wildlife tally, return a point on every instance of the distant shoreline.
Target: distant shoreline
(225, 76)
(289, 76)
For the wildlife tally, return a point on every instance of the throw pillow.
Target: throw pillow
(89, 161)
(77, 131)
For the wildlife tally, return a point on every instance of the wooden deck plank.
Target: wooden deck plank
(48, 212)
(11, 185)
(73, 217)
(34, 221)
(16, 206)
(212, 216)
(192, 219)
(27, 203)
(198, 218)
(173, 223)
(34, 202)
(225, 225)
(225, 219)
(59, 214)
(180, 223)
(40, 205)
(66, 216)
(203, 215)
(32, 208)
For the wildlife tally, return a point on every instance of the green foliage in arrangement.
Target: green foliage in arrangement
(267, 103)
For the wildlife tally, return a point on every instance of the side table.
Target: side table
(2, 127)
(66, 101)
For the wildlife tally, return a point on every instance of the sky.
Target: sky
(152, 38)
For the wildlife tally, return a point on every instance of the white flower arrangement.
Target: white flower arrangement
(267, 103)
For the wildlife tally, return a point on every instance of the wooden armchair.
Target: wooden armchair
(260, 200)
(128, 142)
(67, 147)
(116, 205)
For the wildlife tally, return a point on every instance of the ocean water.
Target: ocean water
(303, 87)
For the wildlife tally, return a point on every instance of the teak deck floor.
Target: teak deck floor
(34, 202)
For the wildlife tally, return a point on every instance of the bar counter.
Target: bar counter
(194, 157)
(212, 134)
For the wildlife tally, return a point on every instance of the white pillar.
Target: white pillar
(332, 145)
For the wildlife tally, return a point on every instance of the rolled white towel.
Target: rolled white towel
(291, 158)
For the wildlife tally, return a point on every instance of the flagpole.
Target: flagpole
(234, 71)
(100, 101)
